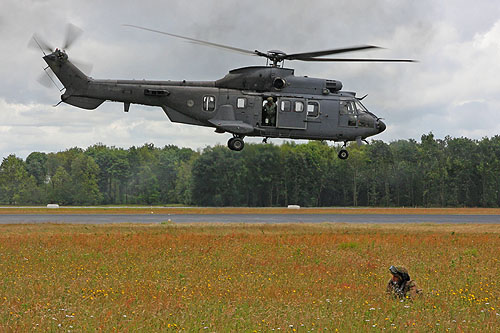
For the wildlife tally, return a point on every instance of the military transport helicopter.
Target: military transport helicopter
(264, 101)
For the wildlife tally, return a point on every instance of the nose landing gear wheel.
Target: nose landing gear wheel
(236, 144)
(343, 154)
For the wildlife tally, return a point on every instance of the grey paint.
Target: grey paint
(214, 103)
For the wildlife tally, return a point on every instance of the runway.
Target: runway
(246, 218)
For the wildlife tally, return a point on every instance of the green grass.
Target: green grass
(246, 277)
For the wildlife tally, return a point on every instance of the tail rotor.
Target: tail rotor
(72, 33)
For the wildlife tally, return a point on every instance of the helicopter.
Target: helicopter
(257, 101)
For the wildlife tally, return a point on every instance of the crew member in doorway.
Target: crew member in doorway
(269, 111)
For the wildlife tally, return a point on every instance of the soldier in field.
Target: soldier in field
(401, 285)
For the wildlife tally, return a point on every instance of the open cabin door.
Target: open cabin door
(291, 113)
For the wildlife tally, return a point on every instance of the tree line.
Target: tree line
(449, 172)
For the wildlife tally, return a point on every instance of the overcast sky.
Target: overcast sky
(453, 90)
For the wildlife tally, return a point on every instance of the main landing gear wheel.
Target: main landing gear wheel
(236, 144)
(343, 154)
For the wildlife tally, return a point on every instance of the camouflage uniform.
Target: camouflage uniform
(270, 111)
(405, 288)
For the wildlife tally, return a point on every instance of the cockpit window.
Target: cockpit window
(348, 115)
(353, 113)
(352, 107)
(360, 107)
(365, 118)
(347, 107)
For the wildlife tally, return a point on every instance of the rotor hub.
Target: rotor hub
(276, 56)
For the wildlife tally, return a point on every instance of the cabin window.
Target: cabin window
(312, 109)
(241, 103)
(208, 103)
(299, 106)
(286, 106)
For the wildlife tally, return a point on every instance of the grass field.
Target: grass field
(207, 278)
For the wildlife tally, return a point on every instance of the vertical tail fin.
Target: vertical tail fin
(73, 79)
(70, 76)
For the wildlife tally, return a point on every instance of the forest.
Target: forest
(449, 172)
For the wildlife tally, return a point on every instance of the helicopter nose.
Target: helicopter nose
(381, 126)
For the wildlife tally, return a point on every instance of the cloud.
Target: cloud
(453, 90)
(34, 127)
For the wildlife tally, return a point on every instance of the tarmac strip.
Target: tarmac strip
(247, 218)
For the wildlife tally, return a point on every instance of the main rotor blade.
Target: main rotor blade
(236, 49)
(72, 34)
(356, 60)
(38, 43)
(299, 56)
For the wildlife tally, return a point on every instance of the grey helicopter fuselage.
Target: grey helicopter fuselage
(306, 108)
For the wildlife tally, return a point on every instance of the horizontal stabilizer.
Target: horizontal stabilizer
(83, 102)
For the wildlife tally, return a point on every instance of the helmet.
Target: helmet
(270, 99)
(401, 272)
